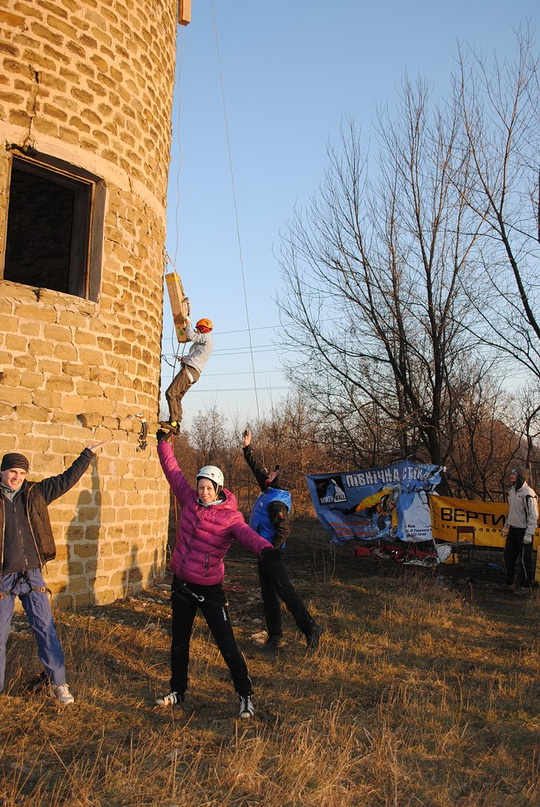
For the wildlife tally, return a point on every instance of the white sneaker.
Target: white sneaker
(246, 707)
(62, 694)
(172, 699)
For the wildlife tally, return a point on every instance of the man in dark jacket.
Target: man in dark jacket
(270, 518)
(26, 543)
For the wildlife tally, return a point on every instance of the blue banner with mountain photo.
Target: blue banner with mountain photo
(390, 502)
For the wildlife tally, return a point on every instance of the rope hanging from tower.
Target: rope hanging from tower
(179, 301)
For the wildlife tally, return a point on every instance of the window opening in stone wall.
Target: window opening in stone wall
(54, 227)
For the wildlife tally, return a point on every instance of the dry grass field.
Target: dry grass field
(425, 692)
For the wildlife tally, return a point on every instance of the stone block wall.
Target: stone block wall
(90, 82)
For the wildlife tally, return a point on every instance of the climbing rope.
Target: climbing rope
(180, 65)
(168, 262)
(235, 205)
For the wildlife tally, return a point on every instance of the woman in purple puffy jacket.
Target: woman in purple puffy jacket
(209, 522)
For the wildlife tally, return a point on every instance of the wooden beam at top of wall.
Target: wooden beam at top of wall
(184, 12)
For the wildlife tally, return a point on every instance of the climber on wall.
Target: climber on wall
(192, 365)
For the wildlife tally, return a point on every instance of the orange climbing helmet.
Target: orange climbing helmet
(204, 325)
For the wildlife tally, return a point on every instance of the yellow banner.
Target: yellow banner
(472, 521)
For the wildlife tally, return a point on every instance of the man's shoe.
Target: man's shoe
(312, 638)
(173, 426)
(246, 707)
(272, 644)
(507, 587)
(62, 694)
(172, 699)
(521, 592)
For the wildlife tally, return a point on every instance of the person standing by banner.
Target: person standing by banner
(519, 527)
(270, 518)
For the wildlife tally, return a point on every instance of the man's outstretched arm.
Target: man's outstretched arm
(55, 486)
(259, 471)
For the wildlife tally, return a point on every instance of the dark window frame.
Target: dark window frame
(83, 274)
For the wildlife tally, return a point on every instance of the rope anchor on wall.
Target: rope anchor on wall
(143, 433)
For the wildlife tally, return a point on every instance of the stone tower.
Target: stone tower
(86, 92)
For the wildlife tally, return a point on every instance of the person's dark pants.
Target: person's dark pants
(178, 388)
(185, 599)
(514, 550)
(276, 586)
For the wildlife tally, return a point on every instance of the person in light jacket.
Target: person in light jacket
(209, 522)
(192, 366)
(519, 527)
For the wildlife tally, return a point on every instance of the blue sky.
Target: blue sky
(261, 89)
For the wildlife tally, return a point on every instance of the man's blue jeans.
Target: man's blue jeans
(29, 586)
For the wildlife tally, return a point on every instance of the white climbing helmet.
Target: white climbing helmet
(213, 473)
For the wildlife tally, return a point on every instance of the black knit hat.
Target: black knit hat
(282, 480)
(14, 460)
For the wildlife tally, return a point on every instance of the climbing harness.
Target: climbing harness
(22, 576)
(185, 588)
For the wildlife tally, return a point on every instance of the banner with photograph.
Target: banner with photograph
(390, 502)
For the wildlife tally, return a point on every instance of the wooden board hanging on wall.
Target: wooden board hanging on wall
(184, 12)
(179, 304)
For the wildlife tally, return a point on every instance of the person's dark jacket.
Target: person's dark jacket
(25, 527)
(278, 512)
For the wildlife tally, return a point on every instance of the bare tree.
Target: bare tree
(498, 104)
(290, 436)
(485, 443)
(376, 275)
(210, 439)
